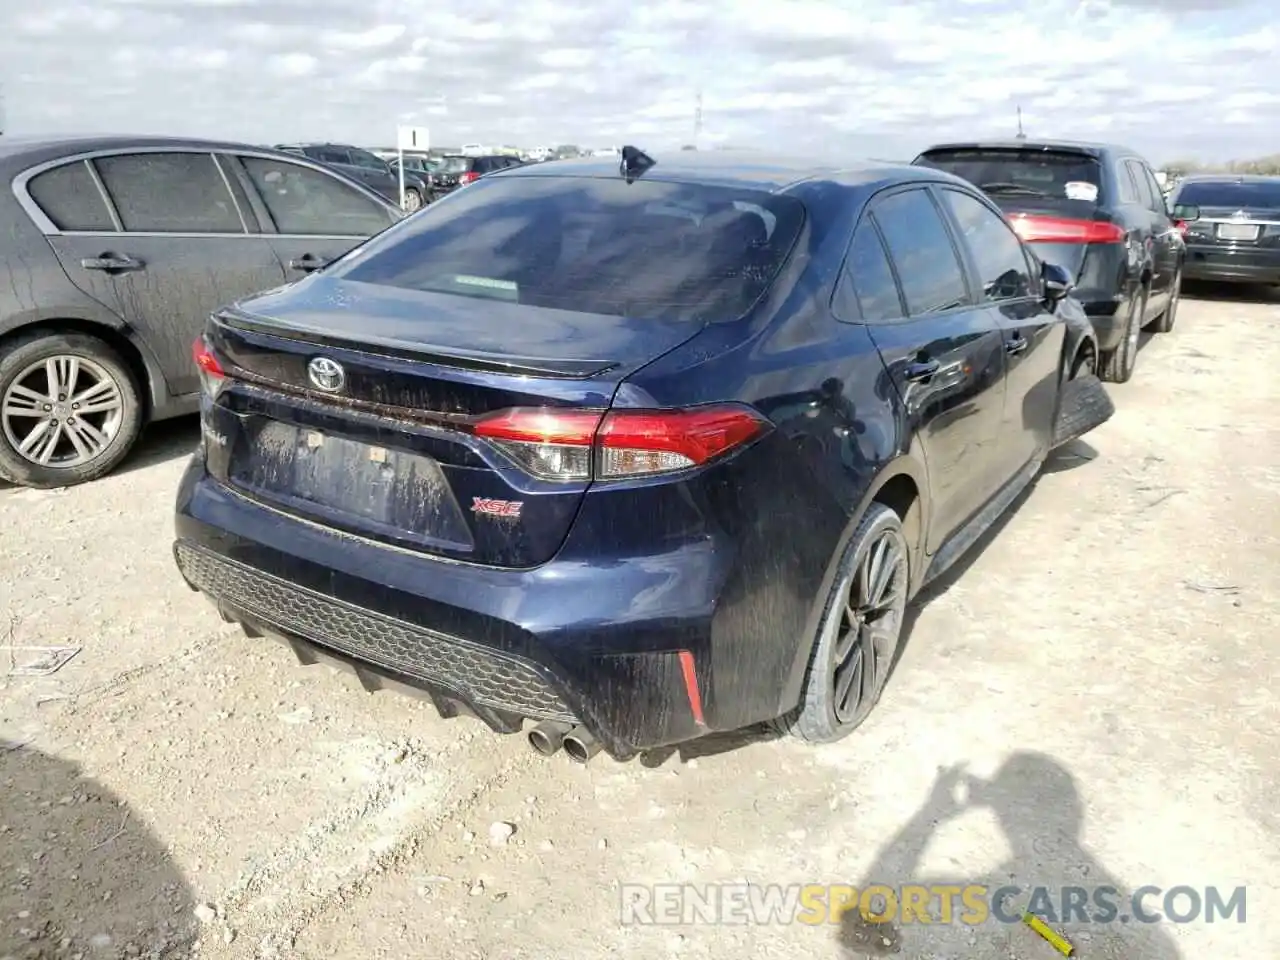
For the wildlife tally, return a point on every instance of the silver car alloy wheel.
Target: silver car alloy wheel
(412, 200)
(62, 412)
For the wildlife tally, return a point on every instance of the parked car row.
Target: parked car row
(1098, 211)
(368, 168)
(635, 449)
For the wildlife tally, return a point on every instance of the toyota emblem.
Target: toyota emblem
(326, 374)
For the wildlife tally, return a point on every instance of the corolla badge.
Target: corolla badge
(326, 374)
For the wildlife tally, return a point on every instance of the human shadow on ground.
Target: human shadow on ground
(80, 873)
(1038, 806)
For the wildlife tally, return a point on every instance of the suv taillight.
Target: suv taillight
(609, 445)
(1036, 229)
(469, 177)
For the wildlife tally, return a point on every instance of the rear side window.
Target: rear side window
(1062, 175)
(996, 250)
(646, 249)
(306, 202)
(870, 278)
(169, 193)
(1236, 194)
(455, 164)
(69, 197)
(367, 160)
(330, 155)
(921, 249)
(1128, 184)
(1146, 197)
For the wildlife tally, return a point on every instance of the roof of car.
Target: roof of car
(743, 169)
(1083, 146)
(23, 152)
(1229, 178)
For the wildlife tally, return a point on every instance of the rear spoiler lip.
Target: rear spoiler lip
(421, 353)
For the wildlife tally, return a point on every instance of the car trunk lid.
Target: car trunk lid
(356, 406)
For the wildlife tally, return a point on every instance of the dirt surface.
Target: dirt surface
(1105, 667)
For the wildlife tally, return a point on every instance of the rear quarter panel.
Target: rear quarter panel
(779, 512)
(35, 291)
(33, 286)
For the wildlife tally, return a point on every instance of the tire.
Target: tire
(1084, 363)
(820, 716)
(1164, 322)
(1118, 364)
(102, 438)
(412, 200)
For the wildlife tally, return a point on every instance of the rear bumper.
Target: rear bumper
(1105, 282)
(1239, 266)
(643, 652)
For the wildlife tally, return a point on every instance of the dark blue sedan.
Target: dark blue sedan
(634, 451)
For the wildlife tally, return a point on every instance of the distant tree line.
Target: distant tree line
(1266, 166)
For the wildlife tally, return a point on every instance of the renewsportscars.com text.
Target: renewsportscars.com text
(975, 904)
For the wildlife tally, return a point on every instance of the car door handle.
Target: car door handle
(918, 371)
(112, 263)
(1016, 345)
(307, 263)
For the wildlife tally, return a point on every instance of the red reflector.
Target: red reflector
(205, 361)
(1036, 229)
(689, 670)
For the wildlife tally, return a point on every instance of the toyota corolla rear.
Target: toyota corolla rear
(1235, 235)
(438, 462)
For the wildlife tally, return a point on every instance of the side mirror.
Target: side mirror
(1186, 212)
(1057, 282)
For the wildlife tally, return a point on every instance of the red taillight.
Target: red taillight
(1036, 229)
(211, 372)
(1181, 226)
(469, 177)
(580, 444)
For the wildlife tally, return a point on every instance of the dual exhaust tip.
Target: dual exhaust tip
(550, 736)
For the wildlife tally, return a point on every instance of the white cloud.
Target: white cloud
(851, 77)
(293, 64)
(374, 38)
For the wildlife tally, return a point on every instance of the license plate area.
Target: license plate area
(395, 495)
(1238, 231)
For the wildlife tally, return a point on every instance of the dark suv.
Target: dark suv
(1097, 210)
(368, 168)
(1233, 231)
(456, 170)
(639, 450)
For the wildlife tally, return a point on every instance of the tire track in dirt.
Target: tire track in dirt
(281, 790)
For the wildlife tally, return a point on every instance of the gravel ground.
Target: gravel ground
(1104, 667)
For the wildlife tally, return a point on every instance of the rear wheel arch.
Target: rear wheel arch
(901, 486)
(900, 492)
(145, 371)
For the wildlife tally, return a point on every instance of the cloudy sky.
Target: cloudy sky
(1174, 78)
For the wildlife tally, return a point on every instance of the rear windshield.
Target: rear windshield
(1231, 193)
(646, 249)
(1031, 173)
(455, 164)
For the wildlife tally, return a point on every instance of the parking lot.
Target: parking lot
(1105, 660)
